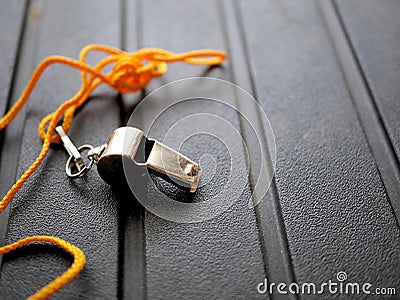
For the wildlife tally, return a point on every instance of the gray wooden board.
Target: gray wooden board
(84, 212)
(375, 102)
(373, 28)
(327, 210)
(12, 18)
(335, 209)
(11, 22)
(205, 259)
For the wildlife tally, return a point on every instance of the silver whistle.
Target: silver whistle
(129, 144)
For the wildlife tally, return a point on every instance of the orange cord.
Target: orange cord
(129, 74)
(69, 275)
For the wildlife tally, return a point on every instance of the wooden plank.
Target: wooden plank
(11, 21)
(84, 212)
(12, 18)
(197, 260)
(133, 277)
(334, 205)
(269, 218)
(335, 209)
(373, 28)
(375, 92)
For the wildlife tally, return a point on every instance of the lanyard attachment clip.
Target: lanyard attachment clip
(75, 158)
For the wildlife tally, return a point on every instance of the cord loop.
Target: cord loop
(130, 72)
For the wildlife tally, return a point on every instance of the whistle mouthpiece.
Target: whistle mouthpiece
(130, 143)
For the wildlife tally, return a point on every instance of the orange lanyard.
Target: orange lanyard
(129, 74)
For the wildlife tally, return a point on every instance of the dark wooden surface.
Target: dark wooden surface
(326, 74)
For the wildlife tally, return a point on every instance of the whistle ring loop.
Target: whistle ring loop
(71, 162)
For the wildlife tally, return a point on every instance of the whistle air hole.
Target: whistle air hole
(144, 150)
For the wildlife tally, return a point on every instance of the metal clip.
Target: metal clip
(75, 157)
(130, 143)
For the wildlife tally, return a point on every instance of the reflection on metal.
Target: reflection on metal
(129, 143)
(176, 166)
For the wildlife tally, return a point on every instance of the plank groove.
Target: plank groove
(371, 78)
(269, 219)
(323, 71)
(12, 135)
(198, 260)
(334, 204)
(84, 212)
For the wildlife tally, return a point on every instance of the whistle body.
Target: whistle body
(129, 143)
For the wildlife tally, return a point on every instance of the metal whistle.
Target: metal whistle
(128, 144)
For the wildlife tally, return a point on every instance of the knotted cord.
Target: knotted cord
(130, 73)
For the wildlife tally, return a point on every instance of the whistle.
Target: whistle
(130, 144)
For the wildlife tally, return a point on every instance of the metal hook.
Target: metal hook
(75, 157)
(84, 169)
